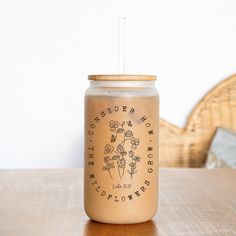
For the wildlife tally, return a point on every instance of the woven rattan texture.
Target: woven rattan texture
(188, 146)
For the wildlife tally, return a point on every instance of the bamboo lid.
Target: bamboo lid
(122, 77)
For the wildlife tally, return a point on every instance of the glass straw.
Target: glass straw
(121, 46)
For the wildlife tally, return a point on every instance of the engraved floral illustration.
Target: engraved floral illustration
(119, 153)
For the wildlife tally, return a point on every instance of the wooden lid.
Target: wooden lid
(122, 77)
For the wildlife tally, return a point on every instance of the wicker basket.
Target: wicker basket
(187, 147)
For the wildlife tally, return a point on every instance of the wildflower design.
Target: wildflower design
(119, 153)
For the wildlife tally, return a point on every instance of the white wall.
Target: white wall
(48, 47)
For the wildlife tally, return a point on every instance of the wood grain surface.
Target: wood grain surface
(50, 203)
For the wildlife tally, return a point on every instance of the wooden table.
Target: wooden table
(50, 202)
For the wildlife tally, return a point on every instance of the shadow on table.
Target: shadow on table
(93, 228)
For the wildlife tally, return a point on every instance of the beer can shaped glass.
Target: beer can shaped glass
(121, 148)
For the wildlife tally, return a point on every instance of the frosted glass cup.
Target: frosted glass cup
(121, 148)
